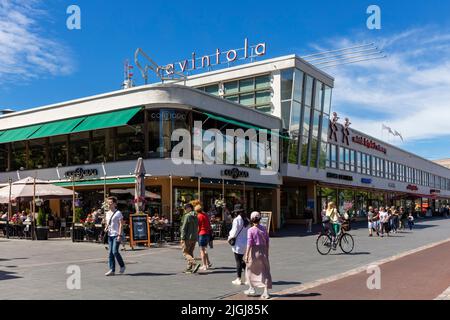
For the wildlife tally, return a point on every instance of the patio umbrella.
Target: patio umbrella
(23, 189)
(139, 194)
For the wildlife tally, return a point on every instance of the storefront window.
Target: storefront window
(130, 142)
(347, 202)
(293, 203)
(98, 144)
(79, 148)
(18, 155)
(37, 157)
(3, 158)
(58, 151)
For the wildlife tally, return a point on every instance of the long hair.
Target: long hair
(244, 217)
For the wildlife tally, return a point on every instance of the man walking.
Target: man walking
(114, 227)
(189, 237)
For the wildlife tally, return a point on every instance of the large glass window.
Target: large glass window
(130, 142)
(298, 85)
(333, 156)
(79, 148)
(327, 100)
(309, 91)
(58, 151)
(3, 158)
(287, 78)
(37, 157)
(19, 155)
(294, 132)
(341, 158)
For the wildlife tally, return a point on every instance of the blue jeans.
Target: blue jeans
(114, 253)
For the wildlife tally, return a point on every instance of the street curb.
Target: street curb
(355, 271)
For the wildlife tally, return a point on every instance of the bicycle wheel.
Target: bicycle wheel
(347, 243)
(323, 244)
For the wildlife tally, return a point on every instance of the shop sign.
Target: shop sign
(412, 187)
(81, 173)
(218, 58)
(391, 185)
(234, 173)
(370, 144)
(339, 176)
(366, 181)
(434, 191)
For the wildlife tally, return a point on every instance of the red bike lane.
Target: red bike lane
(423, 275)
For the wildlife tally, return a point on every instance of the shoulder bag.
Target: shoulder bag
(232, 241)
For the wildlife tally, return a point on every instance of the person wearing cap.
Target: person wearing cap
(257, 258)
(189, 237)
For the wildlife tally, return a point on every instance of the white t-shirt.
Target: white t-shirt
(113, 229)
(384, 216)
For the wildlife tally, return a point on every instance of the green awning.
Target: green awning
(19, 134)
(239, 124)
(107, 120)
(57, 128)
(2, 132)
(97, 182)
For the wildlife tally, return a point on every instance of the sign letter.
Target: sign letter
(374, 20)
(74, 20)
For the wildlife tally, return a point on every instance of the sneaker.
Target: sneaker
(210, 265)
(203, 268)
(122, 270)
(250, 292)
(110, 273)
(188, 270)
(237, 282)
(197, 266)
(265, 296)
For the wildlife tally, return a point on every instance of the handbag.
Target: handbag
(105, 231)
(232, 241)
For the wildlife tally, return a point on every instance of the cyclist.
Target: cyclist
(333, 214)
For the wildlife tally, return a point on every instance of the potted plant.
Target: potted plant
(78, 230)
(41, 228)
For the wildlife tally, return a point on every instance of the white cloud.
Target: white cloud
(409, 90)
(26, 51)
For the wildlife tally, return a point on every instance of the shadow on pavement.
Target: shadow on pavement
(296, 295)
(281, 283)
(149, 274)
(350, 254)
(4, 275)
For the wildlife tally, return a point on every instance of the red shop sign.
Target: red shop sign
(412, 187)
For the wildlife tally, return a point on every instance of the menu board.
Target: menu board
(139, 229)
(266, 219)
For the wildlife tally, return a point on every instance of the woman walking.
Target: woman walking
(204, 236)
(114, 227)
(238, 233)
(257, 258)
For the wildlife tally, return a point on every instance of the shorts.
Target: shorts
(203, 240)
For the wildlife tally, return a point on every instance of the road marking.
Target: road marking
(444, 295)
(355, 271)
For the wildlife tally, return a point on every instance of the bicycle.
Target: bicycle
(324, 242)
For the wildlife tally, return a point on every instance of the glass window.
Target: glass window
(247, 99)
(309, 91)
(327, 100)
(323, 158)
(304, 155)
(246, 85)
(315, 124)
(298, 90)
(37, 157)
(286, 113)
(79, 148)
(306, 121)
(318, 96)
(341, 158)
(328, 163)
(333, 156)
(18, 155)
(294, 132)
(58, 151)
(3, 158)
(213, 89)
(314, 150)
(263, 97)
(352, 160)
(347, 159)
(231, 87)
(130, 142)
(233, 98)
(358, 162)
(98, 145)
(286, 84)
(263, 82)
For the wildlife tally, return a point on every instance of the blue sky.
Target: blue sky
(42, 62)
